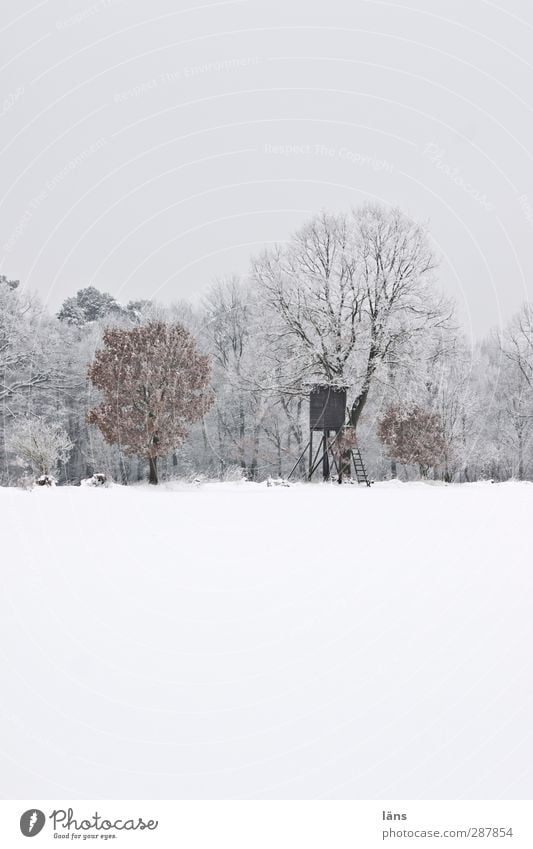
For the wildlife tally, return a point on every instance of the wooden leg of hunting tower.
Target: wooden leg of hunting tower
(340, 467)
(299, 460)
(310, 456)
(325, 459)
(318, 458)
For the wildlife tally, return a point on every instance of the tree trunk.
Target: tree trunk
(153, 470)
(242, 432)
(122, 468)
(255, 454)
(393, 469)
(372, 362)
(357, 407)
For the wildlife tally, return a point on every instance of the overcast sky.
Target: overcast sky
(150, 147)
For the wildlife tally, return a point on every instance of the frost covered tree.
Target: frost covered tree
(31, 374)
(516, 385)
(352, 290)
(313, 286)
(41, 446)
(9, 284)
(234, 328)
(395, 266)
(256, 419)
(413, 436)
(88, 305)
(20, 369)
(227, 329)
(516, 343)
(154, 383)
(139, 311)
(447, 387)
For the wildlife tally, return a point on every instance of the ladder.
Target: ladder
(359, 466)
(322, 455)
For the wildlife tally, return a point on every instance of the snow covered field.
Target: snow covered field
(240, 641)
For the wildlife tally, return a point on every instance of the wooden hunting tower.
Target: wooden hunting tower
(328, 415)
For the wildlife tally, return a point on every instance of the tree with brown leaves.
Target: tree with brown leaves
(154, 383)
(413, 435)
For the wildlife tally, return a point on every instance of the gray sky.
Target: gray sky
(149, 147)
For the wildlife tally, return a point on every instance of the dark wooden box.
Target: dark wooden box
(327, 408)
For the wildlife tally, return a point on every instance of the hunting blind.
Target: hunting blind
(328, 415)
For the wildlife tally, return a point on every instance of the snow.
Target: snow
(242, 641)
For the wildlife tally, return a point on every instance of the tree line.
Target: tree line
(220, 389)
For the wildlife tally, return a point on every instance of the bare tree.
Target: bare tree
(516, 342)
(20, 366)
(251, 416)
(351, 291)
(395, 266)
(313, 286)
(227, 330)
(32, 352)
(516, 382)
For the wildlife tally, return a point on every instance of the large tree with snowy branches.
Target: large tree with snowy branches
(352, 291)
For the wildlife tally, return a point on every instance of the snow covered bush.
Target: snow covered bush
(46, 480)
(98, 479)
(233, 473)
(41, 447)
(277, 482)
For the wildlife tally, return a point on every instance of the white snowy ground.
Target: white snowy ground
(239, 641)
